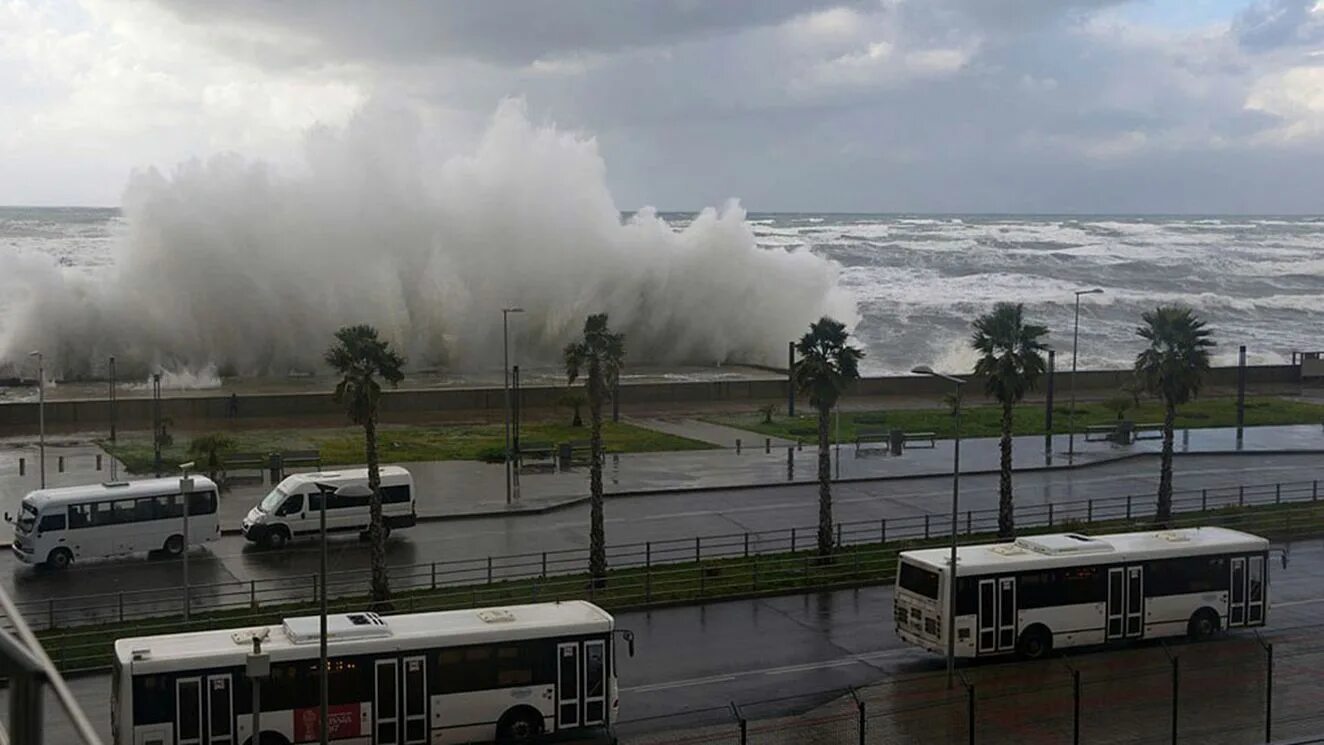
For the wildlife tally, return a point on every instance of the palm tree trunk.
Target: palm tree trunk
(824, 483)
(597, 539)
(381, 581)
(1165, 467)
(1006, 518)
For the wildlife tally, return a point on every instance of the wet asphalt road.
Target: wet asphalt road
(232, 561)
(698, 657)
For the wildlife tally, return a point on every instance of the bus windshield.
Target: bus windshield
(918, 580)
(272, 501)
(26, 519)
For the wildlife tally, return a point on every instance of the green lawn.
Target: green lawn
(399, 443)
(1028, 419)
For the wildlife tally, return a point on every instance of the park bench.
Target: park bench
(866, 437)
(1100, 432)
(534, 451)
(574, 452)
(1151, 431)
(301, 459)
(244, 461)
(917, 437)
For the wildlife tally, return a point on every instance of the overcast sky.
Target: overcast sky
(873, 105)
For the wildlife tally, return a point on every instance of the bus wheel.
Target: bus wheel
(1035, 643)
(519, 726)
(60, 558)
(1204, 623)
(174, 545)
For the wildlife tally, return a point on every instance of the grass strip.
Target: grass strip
(89, 648)
(1028, 419)
(399, 443)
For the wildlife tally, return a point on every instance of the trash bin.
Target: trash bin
(277, 467)
(1125, 433)
(563, 454)
(896, 440)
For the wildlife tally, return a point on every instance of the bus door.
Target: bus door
(415, 700)
(386, 702)
(1126, 602)
(997, 615)
(204, 710)
(1246, 596)
(581, 684)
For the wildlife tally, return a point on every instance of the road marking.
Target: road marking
(1290, 603)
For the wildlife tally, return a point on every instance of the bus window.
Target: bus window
(919, 581)
(27, 518)
(51, 522)
(292, 505)
(79, 515)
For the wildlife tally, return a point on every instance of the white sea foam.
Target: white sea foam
(228, 265)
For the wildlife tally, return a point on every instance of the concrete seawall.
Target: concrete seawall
(136, 412)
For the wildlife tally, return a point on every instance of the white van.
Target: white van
(293, 507)
(57, 526)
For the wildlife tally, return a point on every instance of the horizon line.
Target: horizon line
(843, 213)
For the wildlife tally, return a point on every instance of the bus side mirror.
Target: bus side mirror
(8, 519)
(629, 641)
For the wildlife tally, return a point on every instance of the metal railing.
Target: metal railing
(494, 570)
(1237, 690)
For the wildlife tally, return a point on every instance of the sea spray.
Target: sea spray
(230, 265)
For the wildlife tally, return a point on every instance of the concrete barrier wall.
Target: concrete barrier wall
(398, 405)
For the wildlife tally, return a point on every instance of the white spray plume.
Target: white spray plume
(228, 265)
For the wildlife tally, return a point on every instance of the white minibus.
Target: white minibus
(292, 508)
(58, 526)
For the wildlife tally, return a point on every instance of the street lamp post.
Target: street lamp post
(185, 491)
(1075, 338)
(505, 372)
(956, 502)
(324, 721)
(114, 469)
(41, 415)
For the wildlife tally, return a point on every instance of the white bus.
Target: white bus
(58, 526)
(1069, 590)
(510, 674)
(293, 507)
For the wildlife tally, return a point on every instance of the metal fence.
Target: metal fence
(649, 556)
(1238, 690)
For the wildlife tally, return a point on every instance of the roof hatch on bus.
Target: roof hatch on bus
(1060, 544)
(307, 629)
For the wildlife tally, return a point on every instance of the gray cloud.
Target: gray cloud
(500, 31)
(1269, 24)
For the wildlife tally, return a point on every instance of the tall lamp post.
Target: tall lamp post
(505, 372)
(113, 468)
(41, 415)
(956, 502)
(324, 720)
(185, 492)
(1075, 338)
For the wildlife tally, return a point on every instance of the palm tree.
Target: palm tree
(211, 449)
(361, 358)
(1011, 362)
(827, 364)
(598, 358)
(1172, 368)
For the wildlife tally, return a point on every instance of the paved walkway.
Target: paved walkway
(713, 434)
(449, 489)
